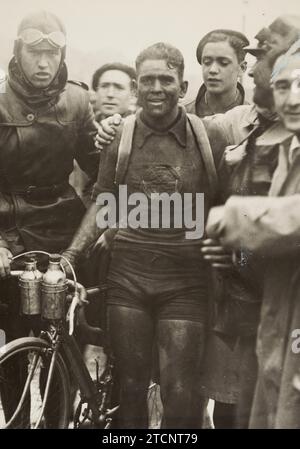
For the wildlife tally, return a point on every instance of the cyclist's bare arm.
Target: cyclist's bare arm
(88, 231)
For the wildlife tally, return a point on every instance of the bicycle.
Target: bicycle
(45, 364)
(44, 401)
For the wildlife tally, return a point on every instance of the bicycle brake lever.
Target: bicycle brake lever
(71, 313)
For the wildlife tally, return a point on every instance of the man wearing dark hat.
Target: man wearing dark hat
(222, 57)
(221, 54)
(251, 165)
(269, 226)
(114, 84)
(45, 123)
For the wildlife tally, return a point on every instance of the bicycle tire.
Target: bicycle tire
(23, 355)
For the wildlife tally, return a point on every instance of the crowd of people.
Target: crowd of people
(210, 317)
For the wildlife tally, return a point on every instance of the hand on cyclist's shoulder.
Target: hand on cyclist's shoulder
(107, 130)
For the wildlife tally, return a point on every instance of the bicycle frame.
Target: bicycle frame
(71, 353)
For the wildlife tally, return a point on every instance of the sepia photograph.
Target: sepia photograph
(150, 217)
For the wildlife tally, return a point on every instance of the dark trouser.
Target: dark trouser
(224, 416)
(237, 416)
(248, 378)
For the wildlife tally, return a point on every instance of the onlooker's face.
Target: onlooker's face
(220, 67)
(261, 73)
(40, 63)
(159, 89)
(287, 94)
(114, 93)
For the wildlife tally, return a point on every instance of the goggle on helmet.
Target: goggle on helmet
(32, 37)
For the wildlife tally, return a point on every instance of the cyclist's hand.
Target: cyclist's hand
(216, 255)
(80, 299)
(107, 130)
(77, 300)
(82, 295)
(5, 261)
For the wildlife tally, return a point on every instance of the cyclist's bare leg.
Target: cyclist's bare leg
(131, 334)
(181, 345)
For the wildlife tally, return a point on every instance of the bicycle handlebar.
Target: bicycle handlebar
(15, 273)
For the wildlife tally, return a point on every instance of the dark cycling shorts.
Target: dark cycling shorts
(162, 284)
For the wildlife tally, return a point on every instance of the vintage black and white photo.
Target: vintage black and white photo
(149, 221)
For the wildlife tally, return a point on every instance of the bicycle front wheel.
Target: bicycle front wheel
(27, 398)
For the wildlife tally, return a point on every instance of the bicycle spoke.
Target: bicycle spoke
(34, 387)
(25, 390)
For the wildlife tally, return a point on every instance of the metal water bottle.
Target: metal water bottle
(30, 288)
(54, 289)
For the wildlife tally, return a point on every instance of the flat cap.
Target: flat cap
(209, 37)
(112, 66)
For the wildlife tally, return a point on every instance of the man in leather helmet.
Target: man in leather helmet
(46, 122)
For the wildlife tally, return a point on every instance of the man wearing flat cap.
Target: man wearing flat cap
(251, 168)
(221, 55)
(114, 85)
(242, 126)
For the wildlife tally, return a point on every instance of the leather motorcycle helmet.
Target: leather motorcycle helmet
(39, 26)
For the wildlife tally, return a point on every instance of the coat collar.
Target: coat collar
(202, 92)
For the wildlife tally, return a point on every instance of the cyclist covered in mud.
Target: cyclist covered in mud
(157, 280)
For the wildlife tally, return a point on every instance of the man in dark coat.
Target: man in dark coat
(267, 228)
(45, 123)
